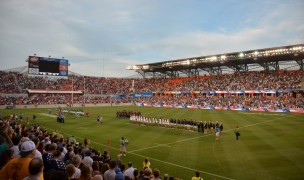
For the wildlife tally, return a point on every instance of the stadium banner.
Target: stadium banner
(296, 111)
(237, 108)
(135, 95)
(63, 73)
(208, 107)
(279, 110)
(157, 105)
(64, 62)
(194, 107)
(218, 108)
(33, 62)
(222, 92)
(253, 92)
(196, 92)
(118, 96)
(33, 71)
(285, 91)
(146, 94)
(33, 91)
(204, 92)
(179, 106)
(212, 92)
(257, 110)
(268, 91)
(236, 92)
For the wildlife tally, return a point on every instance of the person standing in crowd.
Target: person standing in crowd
(237, 133)
(123, 145)
(18, 168)
(130, 170)
(35, 169)
(197, 176)
(110, 174)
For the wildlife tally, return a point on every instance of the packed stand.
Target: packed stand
(31, 152)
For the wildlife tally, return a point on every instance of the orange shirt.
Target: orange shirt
(16, 169)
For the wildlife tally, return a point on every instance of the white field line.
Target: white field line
(163, 145)
(48, 115)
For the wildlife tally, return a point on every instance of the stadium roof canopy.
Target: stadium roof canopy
(276, 58)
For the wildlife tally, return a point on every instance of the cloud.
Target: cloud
(101, 38)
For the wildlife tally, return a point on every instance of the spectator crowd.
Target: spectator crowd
(13, 88)
(30, 152)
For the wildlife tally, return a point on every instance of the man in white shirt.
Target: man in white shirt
(130, 170)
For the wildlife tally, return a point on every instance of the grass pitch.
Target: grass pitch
(271, 145)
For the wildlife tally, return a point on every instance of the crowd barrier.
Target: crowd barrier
(262, 109)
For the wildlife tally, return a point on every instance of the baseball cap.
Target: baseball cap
(27, 146)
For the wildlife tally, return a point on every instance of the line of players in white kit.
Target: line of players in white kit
(200, 126)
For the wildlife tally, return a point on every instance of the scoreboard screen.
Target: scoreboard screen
(47, 66)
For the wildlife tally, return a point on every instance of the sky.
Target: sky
(103, 37)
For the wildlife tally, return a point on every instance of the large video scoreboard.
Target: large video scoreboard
(47, 66)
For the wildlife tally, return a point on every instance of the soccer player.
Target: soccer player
(123, 144)
(98, 120)
(237, 133)
(217, 133)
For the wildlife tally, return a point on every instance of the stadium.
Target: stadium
(170, 114)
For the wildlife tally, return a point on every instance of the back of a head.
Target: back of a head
(197, 174)
(130, 164)
(171, 178)
(166, 176)
(95, 166)
(113, 164)
(135, 173)
(156, 173)
(76, 160)
(122, 167)
(70, 169)
(35, 166)
(86, 172)
(147, 172)
(56, 174)
(53, 147)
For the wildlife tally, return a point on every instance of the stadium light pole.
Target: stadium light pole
(72, 91)
(84, 89)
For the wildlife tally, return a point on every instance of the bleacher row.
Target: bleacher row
(99, 90)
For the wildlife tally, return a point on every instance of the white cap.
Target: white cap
(27, 146)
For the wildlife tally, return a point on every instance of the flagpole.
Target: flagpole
(108, 146)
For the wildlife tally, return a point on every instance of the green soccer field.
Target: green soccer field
(271, 145)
